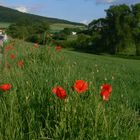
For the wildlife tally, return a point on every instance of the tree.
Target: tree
(136, 26)
(40, 27)
(34, 32)
(118, 31)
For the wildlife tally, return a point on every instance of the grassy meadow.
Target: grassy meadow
(56, 27)
(4, 24)
(30, 111)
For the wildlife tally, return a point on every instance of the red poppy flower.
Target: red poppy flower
(58, 48)
(9, 47)
(80, 86)
(60, 92)
(5, 87)
(105, 95)
(20, 63)
(106, 87)
(12, 56)
(36, 45)
(106, 90)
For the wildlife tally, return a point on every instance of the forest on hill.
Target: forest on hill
(12, 16)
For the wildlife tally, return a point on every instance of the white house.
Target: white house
(74, 33)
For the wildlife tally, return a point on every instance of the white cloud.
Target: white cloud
(105, 1)
(110, 1)
(22, 9)
(118, 1)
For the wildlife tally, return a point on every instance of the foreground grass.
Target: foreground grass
(31, 111)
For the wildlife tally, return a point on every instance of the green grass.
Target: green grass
(30, 111)
(71, 37)
(59, 26)
(4, 24)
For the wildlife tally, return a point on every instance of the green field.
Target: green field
(4, 24)
(30, 111)
(59, 26)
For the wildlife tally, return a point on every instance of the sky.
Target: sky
(83, 11)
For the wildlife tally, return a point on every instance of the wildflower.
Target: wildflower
(20, 63)
(9, 47)
(5, 87)
(60, 92)
(12, 56)
(105, 95)
(58, 48)
(36, 45)
(80, 86)
(106, 90)
(106, 87)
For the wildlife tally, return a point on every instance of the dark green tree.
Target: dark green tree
(118, 32)
(136, 26)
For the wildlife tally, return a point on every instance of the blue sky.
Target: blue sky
(82, 11)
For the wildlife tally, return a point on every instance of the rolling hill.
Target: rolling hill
(11, 15)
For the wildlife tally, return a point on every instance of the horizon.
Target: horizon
(86, 10)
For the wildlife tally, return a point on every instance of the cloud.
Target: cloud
(117, 1)
(105, 1)
(22, 9)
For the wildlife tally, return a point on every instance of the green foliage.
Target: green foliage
(35, 32)
(59, 36)
(136, 25)
(119, 32)
(65, 33)
(81, 43)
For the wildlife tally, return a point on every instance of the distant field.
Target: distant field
(53, 27)
(58, 26)
(4, 24)
(30, 111)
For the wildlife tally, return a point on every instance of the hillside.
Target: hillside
(11, 15)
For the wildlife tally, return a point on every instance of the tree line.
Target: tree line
(36, 32)
(117, 33)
